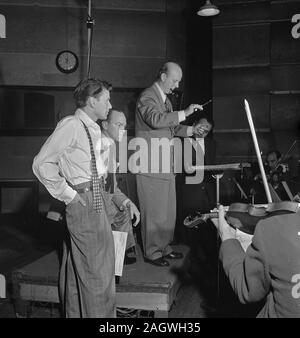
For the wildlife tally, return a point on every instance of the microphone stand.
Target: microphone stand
(90, 25)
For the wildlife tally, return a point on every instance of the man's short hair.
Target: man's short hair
(162, 70)
(276, 152)
(207, 118)
(87, 88)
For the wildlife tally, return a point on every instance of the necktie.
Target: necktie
(169, 109)
(107, 161)
(97, 182)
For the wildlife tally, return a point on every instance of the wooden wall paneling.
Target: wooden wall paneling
(285, 112)
(116, 35)
(241, 144)
(229, 111)
(134, 5)
(16, 69)
(238, 2)
(284, 48)
(285, 78)
(176, 34)
(241, 13)
(284, 10)
(17, 155)
(241, 81)
(243, 45)
(129, 34)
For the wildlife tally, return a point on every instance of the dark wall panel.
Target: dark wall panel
(285, 114)
(241, 144)
(239, 46)
(284, 10)
(138, 5)
(49, 29)
(285, 78)
(257, 11)
(241, 81)
(284, 48)
(230, 113)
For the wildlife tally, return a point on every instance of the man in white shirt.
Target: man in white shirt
(68, 165)
(156, 120)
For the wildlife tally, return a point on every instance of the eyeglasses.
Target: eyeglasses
(119, 125)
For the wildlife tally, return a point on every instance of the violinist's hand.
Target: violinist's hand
(224, 229)
(296, 198)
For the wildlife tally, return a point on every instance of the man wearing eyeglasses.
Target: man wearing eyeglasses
(121, 210)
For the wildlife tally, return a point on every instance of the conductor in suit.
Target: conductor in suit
(155, 120)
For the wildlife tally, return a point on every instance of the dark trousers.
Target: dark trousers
(87, 275)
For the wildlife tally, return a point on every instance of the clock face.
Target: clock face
(67, 61)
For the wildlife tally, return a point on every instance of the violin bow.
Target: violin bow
(261, 167)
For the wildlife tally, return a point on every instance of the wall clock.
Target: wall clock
(66, 61)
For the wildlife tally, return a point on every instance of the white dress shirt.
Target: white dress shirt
(66, 156)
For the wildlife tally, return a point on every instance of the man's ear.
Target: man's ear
(91, 101)
(163, 77)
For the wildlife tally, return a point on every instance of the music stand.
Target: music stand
(217, 174)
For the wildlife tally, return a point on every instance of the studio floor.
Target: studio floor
(202, 294)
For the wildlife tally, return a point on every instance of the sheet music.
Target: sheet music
(120, 239)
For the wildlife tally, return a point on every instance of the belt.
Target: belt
(86, 187)
(83, 187)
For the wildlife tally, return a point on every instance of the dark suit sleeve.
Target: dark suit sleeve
(247, 272)
(152, 114)
(181, 130)
(118, 198)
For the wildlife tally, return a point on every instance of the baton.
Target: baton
(204, 104)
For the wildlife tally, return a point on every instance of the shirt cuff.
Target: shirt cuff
(124, 203)
(68, 195)
(189, 131)
(181, 116)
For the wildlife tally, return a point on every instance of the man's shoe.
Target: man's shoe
(129, 260)
(174, 255)
(158, 262)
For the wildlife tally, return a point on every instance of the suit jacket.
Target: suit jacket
(111, 185)
(270, 268)
(152, 120)
(198, 196)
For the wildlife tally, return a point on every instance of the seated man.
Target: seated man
(269, 270)
(121, 209)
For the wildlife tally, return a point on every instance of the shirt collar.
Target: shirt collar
(107, 141)
(86, 119)
(162, 94)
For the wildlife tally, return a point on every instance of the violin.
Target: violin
(244, 216)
